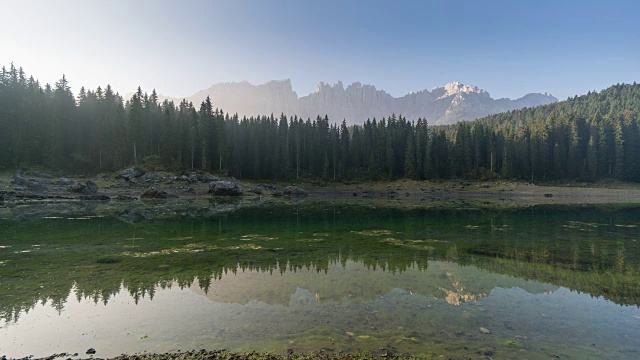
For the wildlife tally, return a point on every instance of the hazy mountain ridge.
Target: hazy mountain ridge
(357, 102)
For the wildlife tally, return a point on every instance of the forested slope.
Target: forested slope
(593, 136)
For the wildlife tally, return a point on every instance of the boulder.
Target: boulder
(155, 193)
(151, 177)
(268, 186)
(130, 173)
(202, 178)
(207, 178)
(38, 174)
(30, 184)
(125, 198)
(225, 188)
(84, 187)
(294, 191)
(65, 181)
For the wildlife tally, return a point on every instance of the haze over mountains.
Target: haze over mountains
(357, 102)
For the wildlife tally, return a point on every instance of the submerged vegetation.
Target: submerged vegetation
(44, 260)
(595, 136)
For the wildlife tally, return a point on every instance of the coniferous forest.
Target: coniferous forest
(589, 137)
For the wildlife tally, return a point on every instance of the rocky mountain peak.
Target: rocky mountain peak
(358, 102)
(456, 87)
(323, 86)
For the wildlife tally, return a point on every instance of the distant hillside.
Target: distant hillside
(443, 105)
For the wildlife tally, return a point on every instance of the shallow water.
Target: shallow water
(544, 282)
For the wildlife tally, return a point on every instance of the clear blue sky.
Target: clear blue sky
(178, 47)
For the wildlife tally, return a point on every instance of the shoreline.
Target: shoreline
(181, 196)
(203, 354)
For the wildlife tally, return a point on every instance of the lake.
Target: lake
(532, 283)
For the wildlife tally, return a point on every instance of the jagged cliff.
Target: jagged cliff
(357, 102)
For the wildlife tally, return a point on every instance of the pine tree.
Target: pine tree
(410, 159)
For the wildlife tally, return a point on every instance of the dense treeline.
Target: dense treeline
(588, 137)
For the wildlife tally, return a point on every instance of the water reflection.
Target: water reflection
(345, 279)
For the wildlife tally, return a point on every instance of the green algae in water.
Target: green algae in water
(548, 281)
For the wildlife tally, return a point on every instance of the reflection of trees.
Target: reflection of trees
(590, 257)
(589, 253)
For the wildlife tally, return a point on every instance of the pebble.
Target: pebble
(485, 330)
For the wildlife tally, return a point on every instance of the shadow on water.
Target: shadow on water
(343, 278)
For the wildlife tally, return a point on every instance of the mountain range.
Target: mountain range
(357, 102)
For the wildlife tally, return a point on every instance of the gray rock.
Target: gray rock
(268, 186)
(84, 187)
(294, 191)
(151, 177)
(65, 181)
(38, 174)
(256, 189)
(125, 198)
(202, 178)
(30, 184)
(130, 173)
(155, 193)
(277, 193)
(207, 178)
(225, 188)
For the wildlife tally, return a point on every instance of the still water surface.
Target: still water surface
(544, 282)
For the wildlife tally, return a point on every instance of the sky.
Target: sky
(509, 48)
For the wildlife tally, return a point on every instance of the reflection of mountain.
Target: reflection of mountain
(275, 251)
(354, 282)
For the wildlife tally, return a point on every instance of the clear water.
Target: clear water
(544, 282)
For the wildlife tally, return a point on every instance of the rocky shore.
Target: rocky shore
(382, 353)
(134, 194)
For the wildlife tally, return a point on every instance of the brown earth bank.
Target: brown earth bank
(131, 185)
